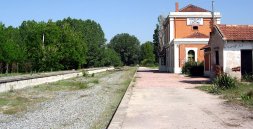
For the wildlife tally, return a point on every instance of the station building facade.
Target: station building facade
(182, 34)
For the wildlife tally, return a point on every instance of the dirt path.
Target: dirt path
(170, 101)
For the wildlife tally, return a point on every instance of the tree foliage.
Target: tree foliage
(11, 50)
(156, 43)
(111, 58)
(92, 35)
(127, 46)
(147, 54)
(61, 45)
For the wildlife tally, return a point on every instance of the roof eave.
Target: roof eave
(249, 40)
(194, 14)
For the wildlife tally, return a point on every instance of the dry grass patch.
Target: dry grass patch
(17, 101)
(65, 85)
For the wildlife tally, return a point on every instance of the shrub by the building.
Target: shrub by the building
(224, 81)
(193, 68)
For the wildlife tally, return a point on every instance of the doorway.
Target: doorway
(246, 62)
(191, 56)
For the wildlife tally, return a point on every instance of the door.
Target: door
(246, 62)
(207, 61)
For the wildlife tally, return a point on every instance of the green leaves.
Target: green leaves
(61, 45)
(10, 48)
(156, 42)
(147, 55)
(128, 47)
(111, 58)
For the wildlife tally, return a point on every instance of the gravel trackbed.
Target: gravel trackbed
(87, 108)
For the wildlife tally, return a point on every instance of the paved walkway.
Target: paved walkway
(170, 101)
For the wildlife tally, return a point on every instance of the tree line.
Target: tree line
(132, 52)
(63, 45)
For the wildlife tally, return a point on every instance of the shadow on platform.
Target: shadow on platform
(151, 71)
(197, 80)
(189, 79)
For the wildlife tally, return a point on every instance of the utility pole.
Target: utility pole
(43, 47)
(43, 40)
(213, 21)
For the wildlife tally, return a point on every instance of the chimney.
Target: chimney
(177, 7)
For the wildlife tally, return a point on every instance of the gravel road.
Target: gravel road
(71, 109)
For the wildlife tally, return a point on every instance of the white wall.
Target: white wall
(177, 69)
(232, 56)
(171, 58)
(229, 54)
(216, 44)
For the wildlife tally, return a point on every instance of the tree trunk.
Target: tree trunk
(17, 68)
(7, 68)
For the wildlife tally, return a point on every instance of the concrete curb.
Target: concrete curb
(120, 113)
(37, 80)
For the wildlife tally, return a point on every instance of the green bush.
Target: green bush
(186, 67)
(193, 68)
(147, 63)
(224, 81)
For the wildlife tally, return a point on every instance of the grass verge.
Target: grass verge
(242, 94)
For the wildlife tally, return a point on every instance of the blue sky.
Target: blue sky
(136, 17)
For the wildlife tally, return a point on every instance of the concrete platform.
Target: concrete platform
(170, 101)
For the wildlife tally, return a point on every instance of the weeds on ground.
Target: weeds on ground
(13, 102)
(64, 85)
(85, 74)
(96, 81)
(230, 89)
(225, 81)
(248, 78)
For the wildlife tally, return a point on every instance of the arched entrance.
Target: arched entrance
(191, 55)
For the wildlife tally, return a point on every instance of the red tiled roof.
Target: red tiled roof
(197, 35)
(236, 32)
(192, 8)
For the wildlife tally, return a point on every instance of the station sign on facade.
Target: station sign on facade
(194, 21)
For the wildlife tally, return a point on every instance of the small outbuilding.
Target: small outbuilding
(229, 50)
